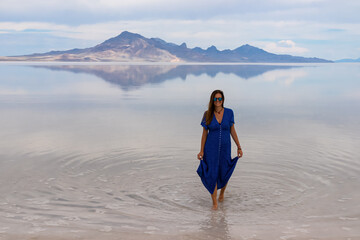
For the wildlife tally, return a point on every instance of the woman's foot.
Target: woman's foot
(215, 207)
(222, 193)
(221, 198)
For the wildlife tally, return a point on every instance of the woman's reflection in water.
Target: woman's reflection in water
(216, 226)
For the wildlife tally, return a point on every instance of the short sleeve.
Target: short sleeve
(232, 118)
(203, 122)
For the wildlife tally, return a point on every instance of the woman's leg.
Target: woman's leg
(214, 196)
(222, 192)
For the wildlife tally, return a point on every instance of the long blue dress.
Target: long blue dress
(217, 164)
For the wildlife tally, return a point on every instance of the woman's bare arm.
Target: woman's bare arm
(203, 141)
(236, 140)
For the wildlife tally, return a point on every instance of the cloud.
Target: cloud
(77, 12)
(4, 91)
(335, 30)
(284, 47)
(286, 43)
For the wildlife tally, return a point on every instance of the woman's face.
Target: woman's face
(218, 103)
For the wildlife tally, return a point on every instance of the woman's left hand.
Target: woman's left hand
(239, 152)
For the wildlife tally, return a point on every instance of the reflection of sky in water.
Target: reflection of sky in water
(298, 126)
(328, 91)
(278, 85)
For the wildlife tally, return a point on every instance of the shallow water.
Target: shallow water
(102, 151)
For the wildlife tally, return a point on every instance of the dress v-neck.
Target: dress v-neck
(221, 118)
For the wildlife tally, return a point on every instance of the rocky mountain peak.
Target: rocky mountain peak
(183, 45)
(247, 49)
(125, 38)
(212, 49)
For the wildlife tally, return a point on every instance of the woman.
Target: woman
(216, 165)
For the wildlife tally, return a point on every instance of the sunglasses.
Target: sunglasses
(218, 99)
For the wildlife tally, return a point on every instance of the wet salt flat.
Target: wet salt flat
(109, 152)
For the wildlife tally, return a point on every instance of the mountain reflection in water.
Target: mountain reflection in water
(130, 77)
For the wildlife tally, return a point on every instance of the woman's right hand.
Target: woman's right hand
(200, 155)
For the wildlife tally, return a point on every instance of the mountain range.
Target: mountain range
(132, 47)
(348, 60)
(133, 76)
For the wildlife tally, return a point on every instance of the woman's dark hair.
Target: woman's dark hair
(209, 114)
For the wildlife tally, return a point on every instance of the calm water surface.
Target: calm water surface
(102, 151)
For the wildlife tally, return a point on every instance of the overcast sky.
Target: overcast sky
(311, 28)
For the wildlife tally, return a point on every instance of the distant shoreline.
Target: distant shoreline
(168, 63)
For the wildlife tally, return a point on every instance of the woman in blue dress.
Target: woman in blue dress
(216, 164)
